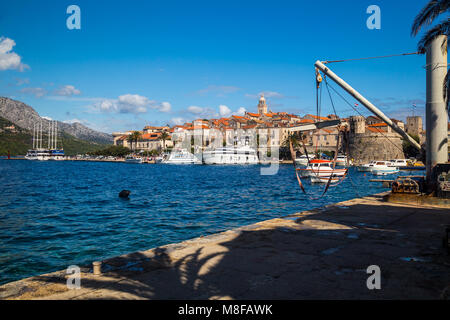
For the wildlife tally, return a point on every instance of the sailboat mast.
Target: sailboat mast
(53, 135)
(34, 129)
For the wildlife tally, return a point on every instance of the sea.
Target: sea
(54, 214)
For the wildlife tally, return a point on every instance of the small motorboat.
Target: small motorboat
(303, 159)
(133, 159)
(321, 168)
(381, 168)
(366, 167)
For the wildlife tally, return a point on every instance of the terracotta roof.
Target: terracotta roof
(374, 129)
(253, 114)
(150, 136)
(306, 121)
(316, 117)
(380, 124)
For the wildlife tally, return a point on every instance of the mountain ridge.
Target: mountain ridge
(25, 117)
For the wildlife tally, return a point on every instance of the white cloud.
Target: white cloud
(177, 121)
(241, 111)
(46, 118)
(267, 94)
(8, 58)
(20, 81)
(37, 92)
(106, 106)
(134, 100)
(271, 94)
(224, 111)
(220, 91)
(130, 103)
(165, 107)
(67, 90)
(195, 109)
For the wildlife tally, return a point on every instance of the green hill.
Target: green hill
(18, 140)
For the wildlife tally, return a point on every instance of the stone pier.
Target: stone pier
(318, 254)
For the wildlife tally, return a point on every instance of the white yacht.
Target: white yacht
(231, 155)
(366, 167)
(382, 168)
(399, 163)
(133, 159)
(38, 154)
(303, 160)
(181, 156)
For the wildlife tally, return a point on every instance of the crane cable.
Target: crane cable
(367, 58)
(357, 111)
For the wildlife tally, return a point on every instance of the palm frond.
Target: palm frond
(428, 14)
(442, 28)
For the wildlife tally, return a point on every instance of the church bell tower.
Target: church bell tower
(262, 106)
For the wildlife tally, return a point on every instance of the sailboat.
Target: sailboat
(52, 152)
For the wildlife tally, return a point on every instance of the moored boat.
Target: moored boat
(380, 168)
(181, 156)
(303, 159)
(231, 155)
(366, 167)
(320, 169)
(133, 159)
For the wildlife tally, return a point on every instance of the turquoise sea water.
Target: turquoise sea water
(57, 213)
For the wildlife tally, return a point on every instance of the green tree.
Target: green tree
(114, 151)
(408, 149)
(164, 136)
(135, 136)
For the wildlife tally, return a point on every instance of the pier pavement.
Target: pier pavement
(318, 254)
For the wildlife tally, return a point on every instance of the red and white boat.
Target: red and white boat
(319, 168)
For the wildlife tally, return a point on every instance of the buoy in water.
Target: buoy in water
(124, 193)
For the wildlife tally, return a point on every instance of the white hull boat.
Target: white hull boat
(133, 160)
(381, 168)
(366, 167)
(384, 171)
(303, 160)
(315, 179)
(229, 155)
(321, 169)
(181, 157)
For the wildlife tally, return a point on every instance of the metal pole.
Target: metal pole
(436, 116)
(365, 102)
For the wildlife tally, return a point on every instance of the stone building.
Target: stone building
(373, 142)
(414, 127)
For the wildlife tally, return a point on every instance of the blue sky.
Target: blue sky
(135, 63)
